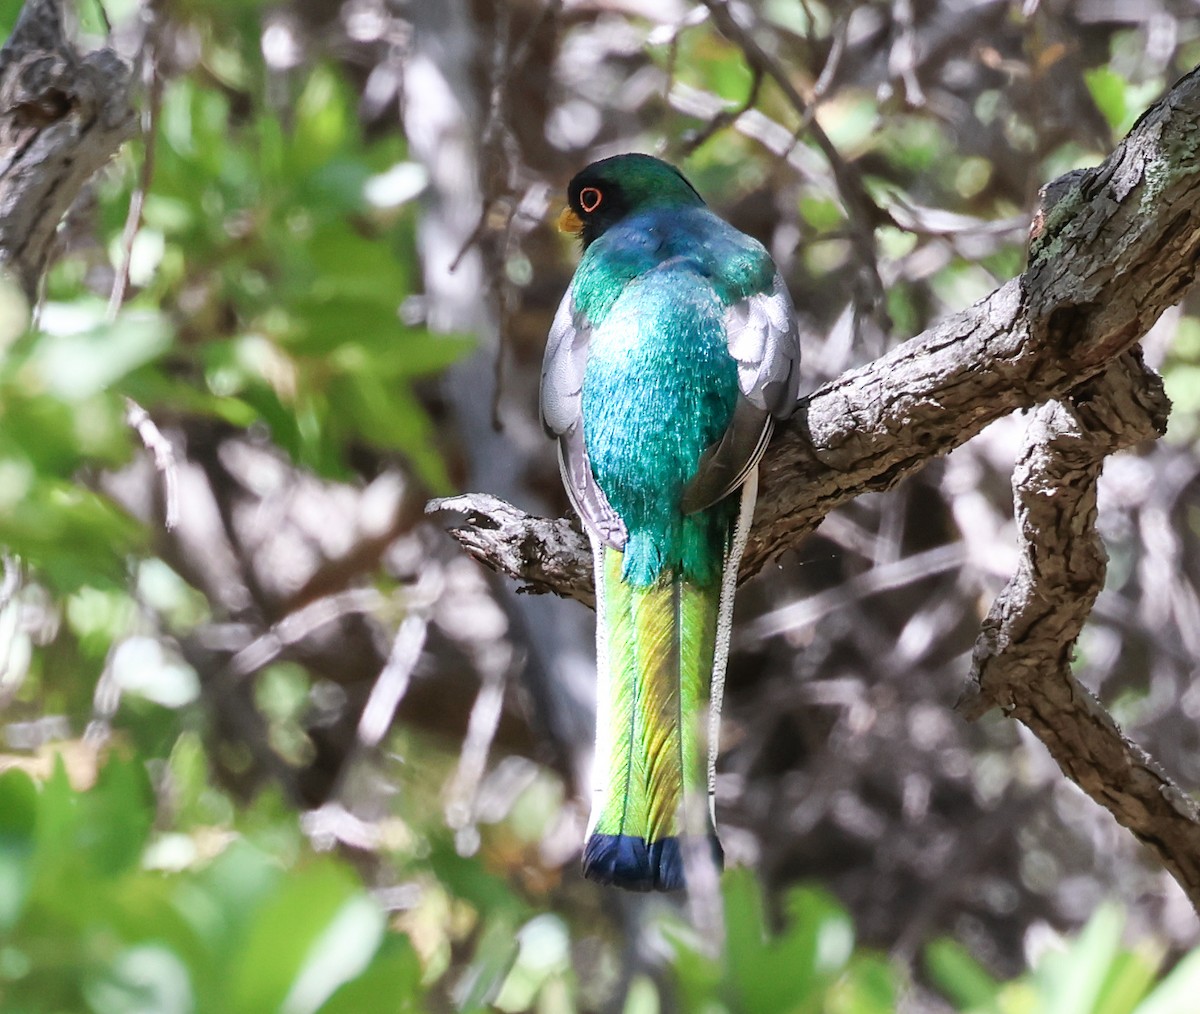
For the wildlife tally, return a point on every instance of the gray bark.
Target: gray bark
(62, 116)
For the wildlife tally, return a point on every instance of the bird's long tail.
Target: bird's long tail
(661, 653)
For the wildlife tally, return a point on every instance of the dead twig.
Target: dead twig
(164, 458)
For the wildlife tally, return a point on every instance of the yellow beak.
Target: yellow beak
(570, 222)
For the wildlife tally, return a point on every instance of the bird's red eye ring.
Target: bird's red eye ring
(589, 199)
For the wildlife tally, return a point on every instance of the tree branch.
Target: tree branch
(62, 116)
(1045, 605)
(1022, 659)
(1032, 626)
(546, 555)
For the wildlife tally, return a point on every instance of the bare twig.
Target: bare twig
(10, 625)
(390, 687)
(106, 699)
(902, 59)
(726, 116)
(837, 50)
(229, 690)
(11, 583)
(164, 458)
(461, 796)
(1022, 660)
(547, 555)
(878, 579)
(507, 59)
(296, 626)
(152, 79)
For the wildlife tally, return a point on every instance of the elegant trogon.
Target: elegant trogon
(672, 352)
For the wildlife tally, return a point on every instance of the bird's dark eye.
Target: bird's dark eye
(589, 199)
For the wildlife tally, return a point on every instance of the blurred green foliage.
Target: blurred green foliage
(266, 277)
(106, 907)
(294, 237)
(1091, 974)
(97, 914)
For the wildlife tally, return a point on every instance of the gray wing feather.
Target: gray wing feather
(725, 465)
(562, 368)
(562, 416)
(764, 339)
(585, 494)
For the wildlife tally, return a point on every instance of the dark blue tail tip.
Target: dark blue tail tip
(622, 860)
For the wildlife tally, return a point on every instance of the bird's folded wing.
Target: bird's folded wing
(763, 337)
(562, 417)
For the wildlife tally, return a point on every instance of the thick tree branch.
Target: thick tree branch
(1022, 660)
(62, 116)
(1032, 626)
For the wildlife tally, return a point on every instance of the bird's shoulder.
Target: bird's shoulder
(691, 243)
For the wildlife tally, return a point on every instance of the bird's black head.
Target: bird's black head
(606, 191)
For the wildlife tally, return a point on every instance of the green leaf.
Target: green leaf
(820, 932)
(18, 817)
(72, 535)
(322, 121)
(57, 437)
(339, 954)
(230, 892)
(1108, 92)
(1129, 978)
(353, 266)
(697, 976)
(195, 800)
(391, 984)
(490, 964)
(58, 812)
(144, 979)
(790, 972)
(867, 987)
(327, 324)
(76, 366)
(471, 881)
(115, 816)
(1072, 980)
(1177, 993)
(388, 416)
(957, 974)
(306, 910)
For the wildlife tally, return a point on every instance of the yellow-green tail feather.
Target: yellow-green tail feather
(653, 725)
(661, 653)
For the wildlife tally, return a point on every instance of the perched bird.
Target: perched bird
(672, 351)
